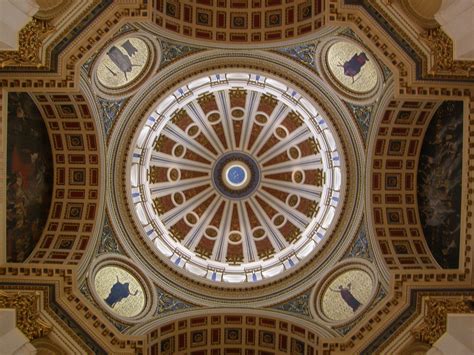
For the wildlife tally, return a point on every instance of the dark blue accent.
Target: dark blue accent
(118, 292)
(353, 66)
(236, 175)
(254, 175)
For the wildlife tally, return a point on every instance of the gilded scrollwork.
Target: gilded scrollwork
(30, 41)
(27, 313)
(442, 48)
(436, 315)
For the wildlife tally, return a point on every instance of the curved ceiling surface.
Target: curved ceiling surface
(235, 178)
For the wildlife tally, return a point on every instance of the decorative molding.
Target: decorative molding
(436, 316)
(439, 42)
(404, 319)
(110, 110)
(171, 52)
(30, 42)
(298, 305)
(363, 116)
(69, 308)
(441, 46)
(168, 303)
(360, 247)
(27, 313)
(304, 53)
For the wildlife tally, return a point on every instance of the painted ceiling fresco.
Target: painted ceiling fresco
(120, 291)
(239, 176)
(123, 62)
(352, 66)
(347, 295)
(30, 176)
(439, 183)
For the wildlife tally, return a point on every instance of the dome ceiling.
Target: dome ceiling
(235, 177)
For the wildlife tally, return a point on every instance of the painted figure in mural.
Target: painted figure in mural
(439, 183)
(118, 292)
(29, 176)
(131, 50)
(353, 66)
(122, 61)
(347, 296)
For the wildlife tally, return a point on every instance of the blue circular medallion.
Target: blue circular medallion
(236, 175)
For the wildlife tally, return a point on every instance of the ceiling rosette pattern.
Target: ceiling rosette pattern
(236, 177)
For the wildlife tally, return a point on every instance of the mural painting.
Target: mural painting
(439, 183)
(120, 291)
(347, 295)
(123, 62)
(352, 67)
(29, 176)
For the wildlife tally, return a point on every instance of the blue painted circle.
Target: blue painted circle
(241, 179)
(236, 175)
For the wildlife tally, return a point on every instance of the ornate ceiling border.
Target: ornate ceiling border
(28, 56)
(455, 301)
(28, 324)
(436, 39)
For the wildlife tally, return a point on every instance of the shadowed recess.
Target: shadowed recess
(30, 176)
(439, 183)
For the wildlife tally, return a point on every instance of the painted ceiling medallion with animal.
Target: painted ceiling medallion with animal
(122, 66)
(236, 178)
(124, 61)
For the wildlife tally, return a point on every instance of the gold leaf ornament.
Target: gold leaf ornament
(30, 42)
(27, 313)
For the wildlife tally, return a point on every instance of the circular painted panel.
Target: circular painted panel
(121, 291)
(347, 295)
(123, 62)
(352, 67)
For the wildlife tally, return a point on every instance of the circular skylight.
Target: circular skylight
(235, 178)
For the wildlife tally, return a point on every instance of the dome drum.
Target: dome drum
(275, 209)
